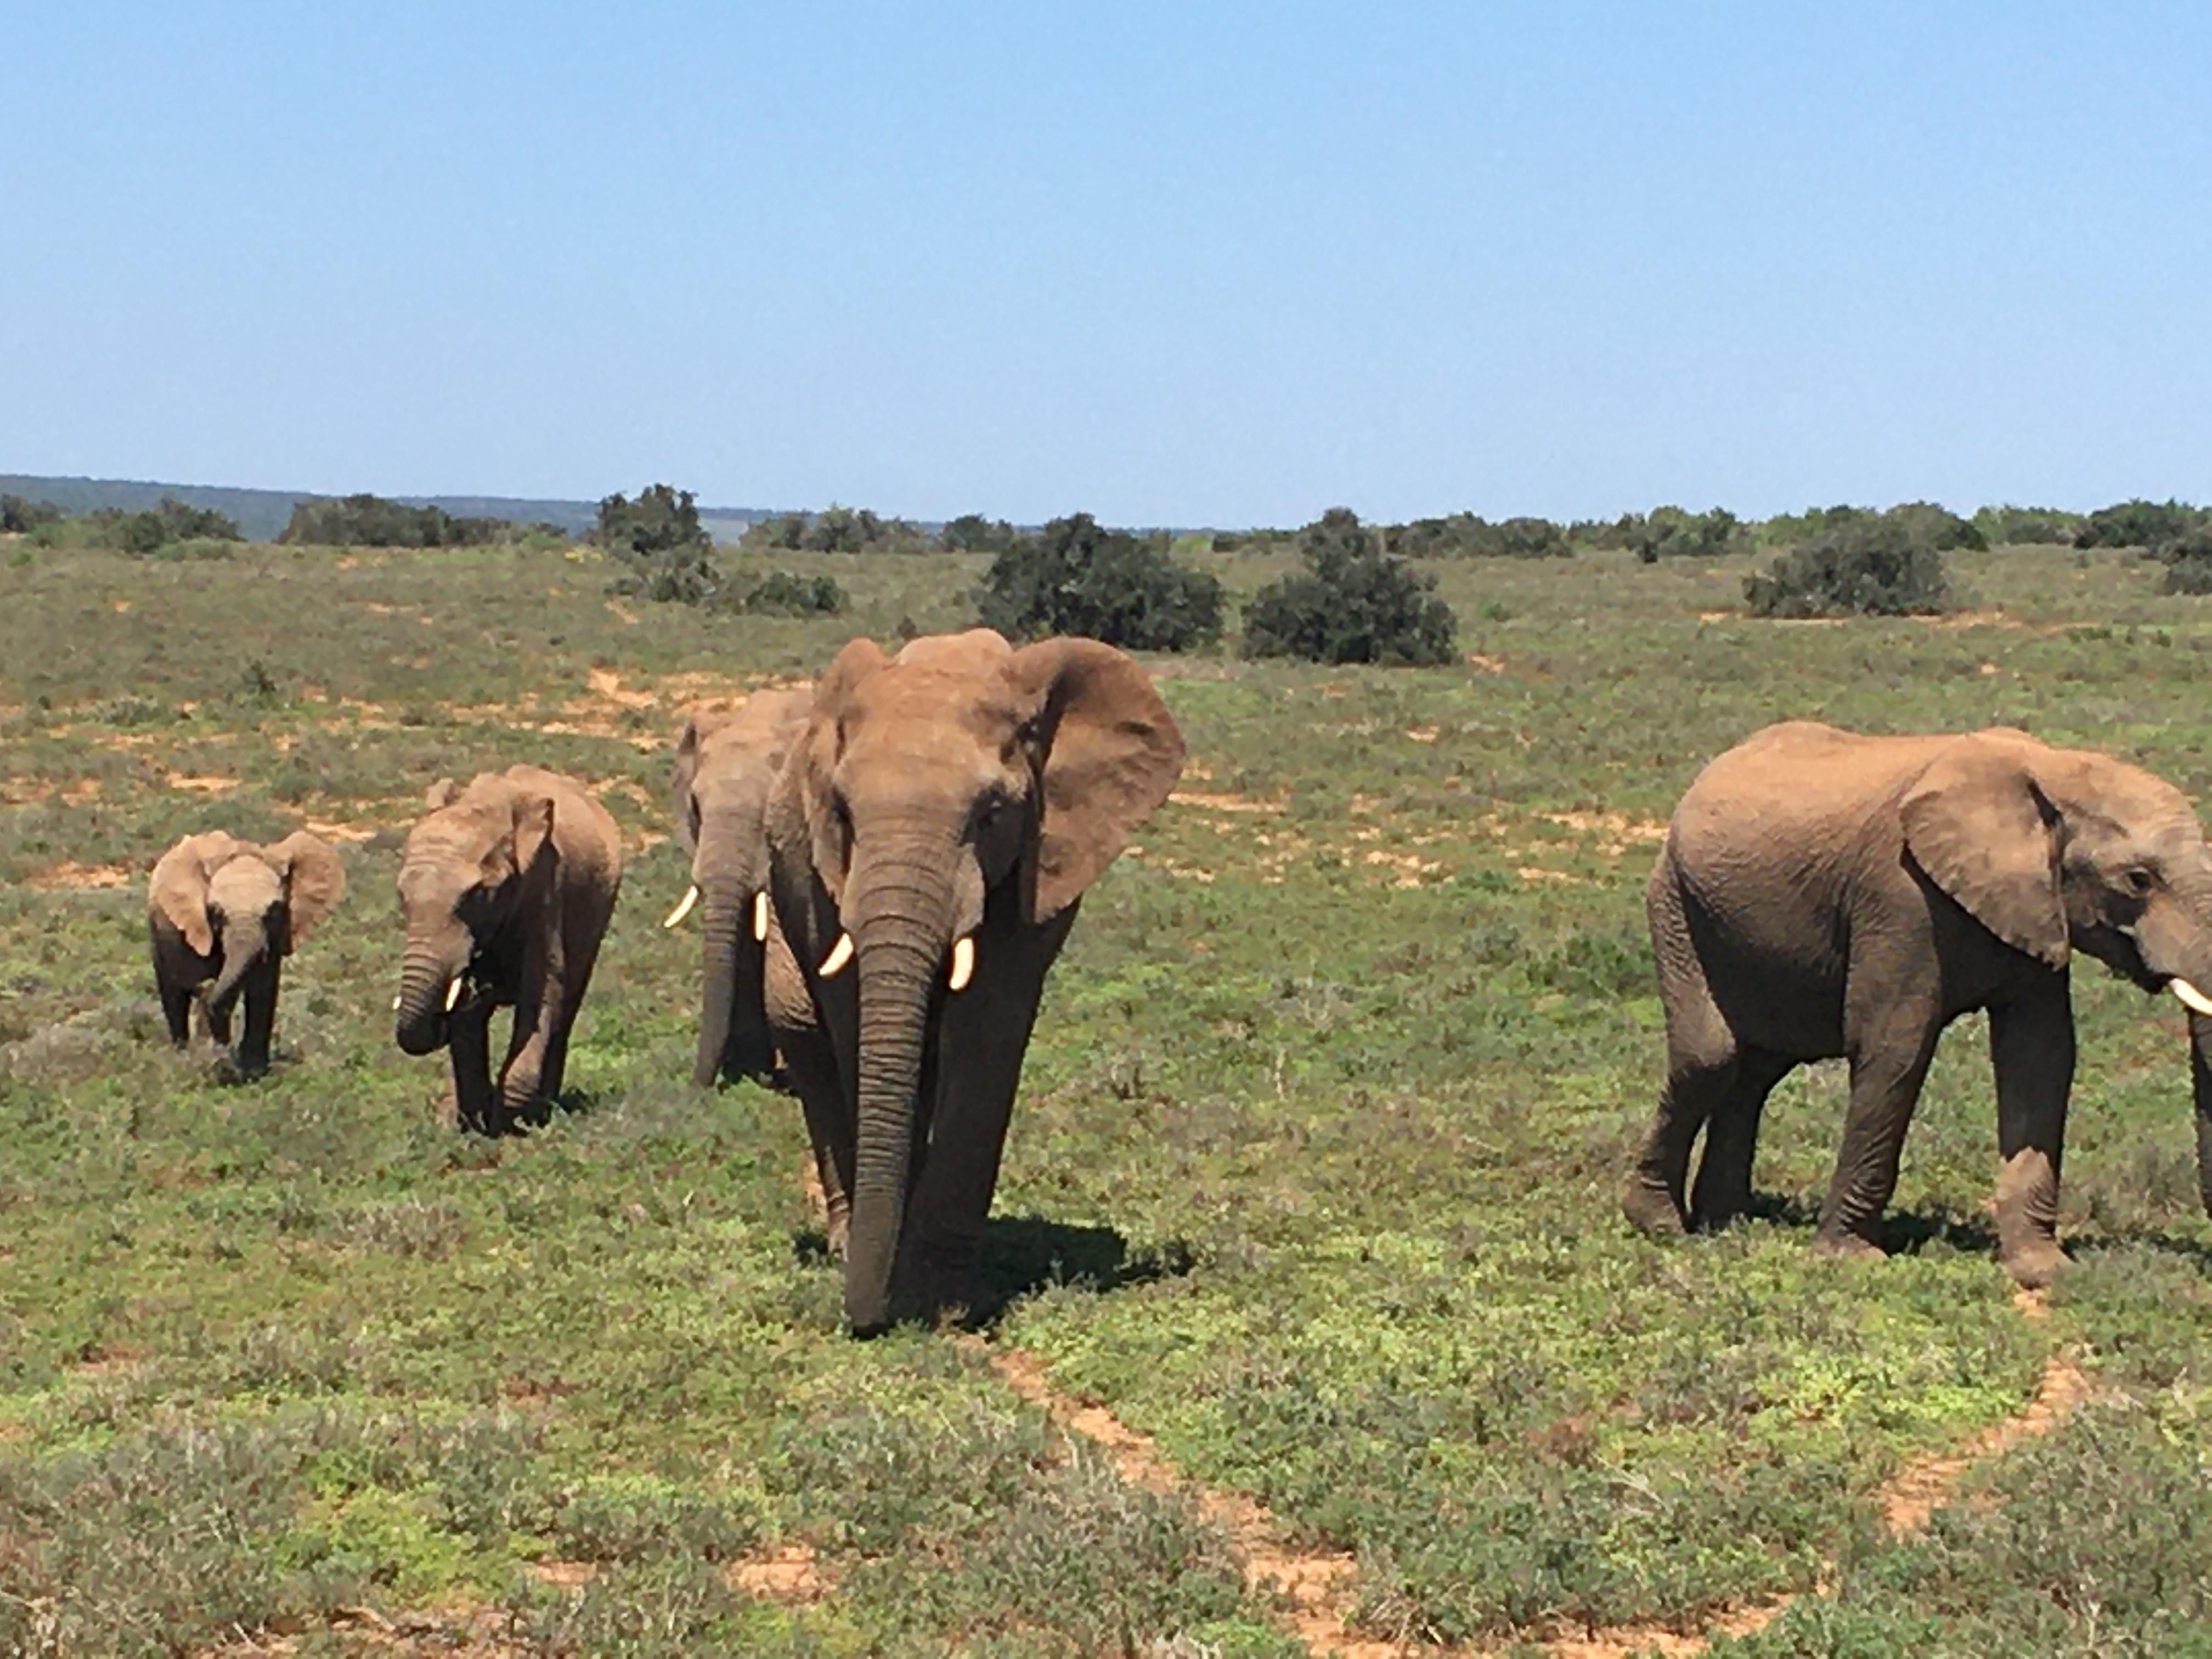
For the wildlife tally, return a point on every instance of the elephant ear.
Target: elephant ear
(315, 882)
(816, 756)
(441, 794)
(687, 770)
(1111, 754)
(1979, 824)
(179, 890)
(533, 828)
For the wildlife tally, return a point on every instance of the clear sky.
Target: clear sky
(1174, 263)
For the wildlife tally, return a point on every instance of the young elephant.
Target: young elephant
(226, 913)
(929, 839)
(1822, 894)
(726, 764)
(507, 886)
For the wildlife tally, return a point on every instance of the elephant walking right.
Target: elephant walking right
(507, 886)
(726, 764)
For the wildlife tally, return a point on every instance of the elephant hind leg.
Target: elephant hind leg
(1723, 1187)
(808, 1056)
(1702, 1054)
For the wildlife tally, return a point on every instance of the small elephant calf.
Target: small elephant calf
(224, 913)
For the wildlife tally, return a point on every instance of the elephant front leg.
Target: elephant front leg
(2031, 1050)
(829, 1129)
(468, 1043)
(177, 1012)
(1888, 1069)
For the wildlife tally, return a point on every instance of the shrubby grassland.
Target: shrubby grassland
(1313, 1179)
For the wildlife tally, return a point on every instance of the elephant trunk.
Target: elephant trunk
(733, 1035)
(245, 942)
(426, 976)
(899, 912)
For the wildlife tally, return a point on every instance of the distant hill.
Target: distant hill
(263, 513)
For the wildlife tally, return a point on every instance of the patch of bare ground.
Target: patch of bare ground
(470, 1634)
(789, 1573)
(210, 783)
(69, 873)
(339, 829)
(1319, 1586)
(1207, 801)
(1487, 663)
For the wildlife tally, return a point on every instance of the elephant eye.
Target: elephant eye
(2138, 881)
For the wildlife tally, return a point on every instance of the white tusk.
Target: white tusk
(2192, 998)
(395, 1005)
(760, 916)
(454, 996)
(840, 954)
(683, 905)
(963, 963)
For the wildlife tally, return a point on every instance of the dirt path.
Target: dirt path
(1321, 1586)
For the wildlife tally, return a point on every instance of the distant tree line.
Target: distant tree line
(367, 521)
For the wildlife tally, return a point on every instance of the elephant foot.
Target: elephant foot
(1652, 1210)
(2034, 1263)
(1842, 1242)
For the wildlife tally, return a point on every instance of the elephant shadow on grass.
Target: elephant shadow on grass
(1023, 1255)
(1903, 1231)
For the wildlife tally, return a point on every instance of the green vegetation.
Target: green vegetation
(1353, 603)
(2027, 527)
(783, 593)
(19, 516)
(1313, 1178)
(1868, 566)
(371, 521)
(2138, 524)
(835, 530)
(1077, 577)
(1467, 535)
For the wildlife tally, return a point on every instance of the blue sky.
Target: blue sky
(1180, 263)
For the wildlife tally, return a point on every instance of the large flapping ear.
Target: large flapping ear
(1986, 833)
(533, 828)
(1112, 752)
(441, 794)
(313, 878)
(817, 754)
(686, 769)
(179, 889)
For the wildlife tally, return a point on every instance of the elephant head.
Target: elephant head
(960, 777)
(470, 867)
(2058, 850)
(250, 905)
(726, 765)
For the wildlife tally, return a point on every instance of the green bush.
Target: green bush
(1077, 577)
(1937, 526)
(971, 532)
(668, 551)
(1468, 535)
(2138, 524)
(20, 516)
(2188, 559)
(1865, 566)
(366, 520)
(1789, 529)
(784, 593)
(836, 529)
(2027, 527)
(150, 531)
(1353, 603)
(1671, 533)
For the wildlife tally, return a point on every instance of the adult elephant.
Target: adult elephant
(726, 764)
(1822, 894)
(930, 837)
(223, 914)
(507, 885)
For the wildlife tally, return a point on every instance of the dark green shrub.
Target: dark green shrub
(836, 529)
(154, 528)
(1353, 603)
(2188, 559)
(660, 520)
(1468, 535)
(1932, 526)
(2027, 527)
(366, 520)
(784, 593)
(1788, 529)
(2138, 524)
(1670, 532)
(1077, 577)
(971, 532)
(20, 516)
(1866, 567)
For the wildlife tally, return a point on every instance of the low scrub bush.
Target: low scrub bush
(1868, 566)
(18, 516)
(2138, 524)
(1353, 603)
(1932, 526)
(148, 532)
(366, 520)
(1468, 535)
(2188, 559)
(971, 532)
(2027, 527)
(1671, 533)
(784, 594)
(837, 529)
(1077, 577)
